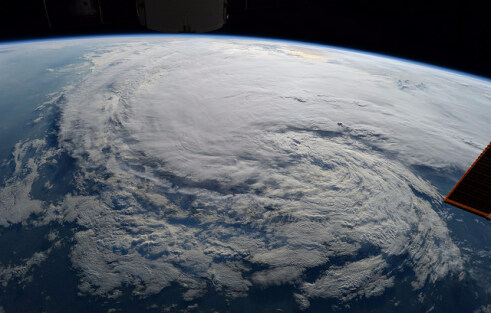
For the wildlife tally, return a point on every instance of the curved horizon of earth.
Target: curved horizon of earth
(205, 173)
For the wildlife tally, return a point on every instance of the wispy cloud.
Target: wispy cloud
(207, 164)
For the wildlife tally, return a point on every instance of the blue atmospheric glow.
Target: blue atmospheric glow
(266, 39)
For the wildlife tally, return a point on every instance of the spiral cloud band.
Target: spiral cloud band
(232, 164)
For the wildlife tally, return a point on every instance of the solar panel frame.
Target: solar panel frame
(474, 184)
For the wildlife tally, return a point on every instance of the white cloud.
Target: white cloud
(206, 165)
(15, 201)
(20, 272)
(277, 276)
(484, 309)
(363, 278)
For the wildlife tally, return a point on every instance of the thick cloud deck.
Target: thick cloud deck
(237, 163)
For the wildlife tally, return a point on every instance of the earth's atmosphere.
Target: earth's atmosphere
(201, 174)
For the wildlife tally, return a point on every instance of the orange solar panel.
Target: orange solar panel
(473, 190)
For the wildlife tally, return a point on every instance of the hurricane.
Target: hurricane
(234, 165)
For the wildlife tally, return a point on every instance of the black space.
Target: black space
(456, 35)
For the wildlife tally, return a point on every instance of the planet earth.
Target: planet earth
(227, 174)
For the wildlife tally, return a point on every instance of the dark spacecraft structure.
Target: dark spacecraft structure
(172, 16)
(169, 16)
(178, 16)
(473, 191)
